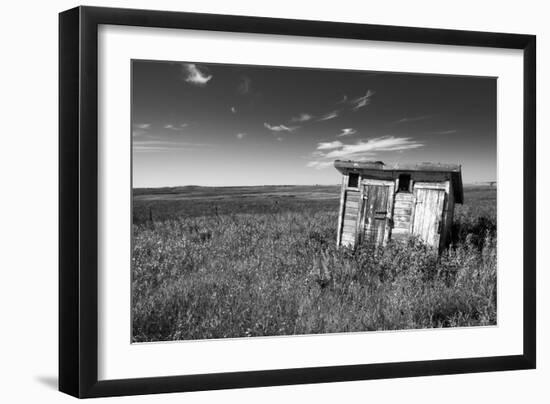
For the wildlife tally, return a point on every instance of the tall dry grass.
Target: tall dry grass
(237, 275)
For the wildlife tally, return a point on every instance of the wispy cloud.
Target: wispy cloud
(329, 145)
(413, 119)
(444, 132)
(330, 115)
(326, 152)
(303, 117)
(386, 143)
(363, 101)
(175, 127)
(166, 146)
(195, 76)
(241, 135)
(140, 129)
(347, 132)
(280, 128)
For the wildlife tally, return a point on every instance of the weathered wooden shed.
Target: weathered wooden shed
(379, 202)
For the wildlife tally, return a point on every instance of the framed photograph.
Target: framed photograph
(252, 202)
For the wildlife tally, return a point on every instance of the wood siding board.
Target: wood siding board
(348, 238)
(350, 223)
(431, 219)
(364, 207)
(443, 225)
(390, 214)
(402, 212)
(433, 185)
(350, 216)
(341, 211)
(382, 220)
(427, 223)
(439, 212)
(347, 243)
(353, 211)
(402, 218)
(400, 230)
(359, 219)
(413, 212)
(405, 224)
(416, 227)
(379, 182)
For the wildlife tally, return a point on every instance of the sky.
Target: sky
(233, 125)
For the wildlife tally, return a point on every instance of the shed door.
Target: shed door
(375, 212)
(428, 214)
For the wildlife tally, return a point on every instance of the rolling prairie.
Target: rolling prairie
(227, 262)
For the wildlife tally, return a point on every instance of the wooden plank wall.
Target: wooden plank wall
(341, 210)
(402, 213)
(351, 211)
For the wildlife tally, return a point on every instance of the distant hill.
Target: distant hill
(481, 184)
(208, 190)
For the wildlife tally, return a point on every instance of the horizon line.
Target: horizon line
(280, 185)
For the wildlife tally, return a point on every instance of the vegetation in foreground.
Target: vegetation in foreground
(279, 273)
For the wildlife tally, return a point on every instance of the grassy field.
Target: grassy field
(258, 261)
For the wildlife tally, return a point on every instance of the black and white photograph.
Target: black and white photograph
(295, 201)
(276, 201)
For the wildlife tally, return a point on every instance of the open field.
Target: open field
(256, 261)
(192, 201)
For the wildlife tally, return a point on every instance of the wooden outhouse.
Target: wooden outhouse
(379, 202)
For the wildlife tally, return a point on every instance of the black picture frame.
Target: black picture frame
(78, 201)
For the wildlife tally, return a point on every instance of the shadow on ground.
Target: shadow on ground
(48, 381)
